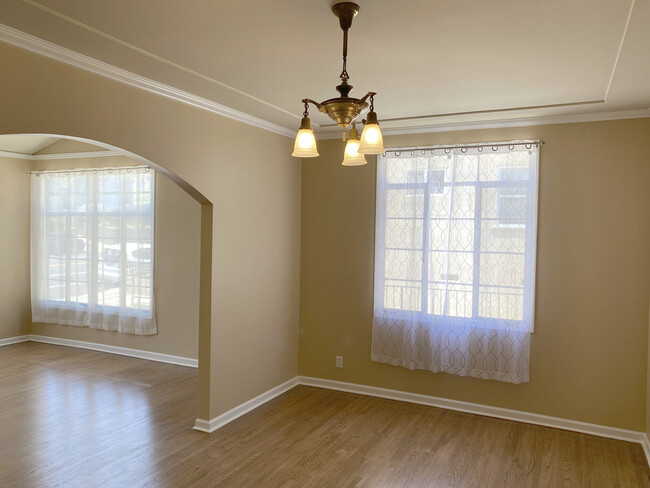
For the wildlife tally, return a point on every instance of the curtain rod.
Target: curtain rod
(109, 170)
(528, 144)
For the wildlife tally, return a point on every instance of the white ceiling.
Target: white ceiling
(26, 144)
(431, 62)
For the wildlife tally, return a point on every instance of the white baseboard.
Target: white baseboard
(646, 447)
(122, 351)
(475, 408)
(211, 425)
(14, 340)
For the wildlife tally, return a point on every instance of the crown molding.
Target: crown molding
(501, 123)
(15, 155)
(76, 155)
(50, 50)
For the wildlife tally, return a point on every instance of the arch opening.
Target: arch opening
(203, 241)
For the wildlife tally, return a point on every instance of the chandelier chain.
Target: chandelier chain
(344, 74)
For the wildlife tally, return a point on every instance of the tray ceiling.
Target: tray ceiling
(430, 61)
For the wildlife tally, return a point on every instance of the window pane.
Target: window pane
(98, 228)
(477, 251)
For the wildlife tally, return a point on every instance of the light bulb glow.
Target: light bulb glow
(305, 145)
(351, 154)
(372, 135)
(305, 140)
(372, 142)
(352, 147)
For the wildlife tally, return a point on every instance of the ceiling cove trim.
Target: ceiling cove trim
(502, 123)
(76, 155)
(48, 49)
(15, 155)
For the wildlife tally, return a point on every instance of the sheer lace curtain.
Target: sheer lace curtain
(455, 259)
(92, 248)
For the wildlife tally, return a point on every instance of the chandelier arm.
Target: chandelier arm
(365, 97)
(316, 104)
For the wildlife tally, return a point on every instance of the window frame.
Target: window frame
(400, 314)
(93, 273)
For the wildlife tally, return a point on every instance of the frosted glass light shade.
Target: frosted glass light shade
(372, 142)
(305, 145)
(351, 156)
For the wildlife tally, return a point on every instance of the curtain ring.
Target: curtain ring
(67, 173)
(94, 171)
(463, 150)
(110, 171)
(398, 154)
(424, 153)
(511, 147)
(412, 153)
(383, 155)
(494, 148)
(147, 169)
(528, 146)
(480, 149)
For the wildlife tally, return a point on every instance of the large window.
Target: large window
(92, 248)
(455, 257)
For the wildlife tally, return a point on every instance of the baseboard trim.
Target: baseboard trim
(14, 340)
(646, 447)
(210, 426)
(475, 408)
(122, 351)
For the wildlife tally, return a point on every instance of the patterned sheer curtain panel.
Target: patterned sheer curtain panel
(92, 248)
(455, 246)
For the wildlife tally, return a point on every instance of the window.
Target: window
(455, 256)
(92, 248)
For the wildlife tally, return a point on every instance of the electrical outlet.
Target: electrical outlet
(339, 361)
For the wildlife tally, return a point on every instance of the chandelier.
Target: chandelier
(343, 109)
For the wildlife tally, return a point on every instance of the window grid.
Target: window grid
(426, 189)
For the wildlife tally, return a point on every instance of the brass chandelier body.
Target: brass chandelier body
(343, 109)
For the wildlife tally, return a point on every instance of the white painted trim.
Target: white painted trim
(15, 155)
(122, 351)
(475, 408)
(646, 447)
(501, 123)
(14, 340)
(48, 49)
(211, 425)
(53, 51)
(76, 155)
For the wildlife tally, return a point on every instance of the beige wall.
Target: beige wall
(176, 274)
(588, 352)
(246, 173)
(15, 315)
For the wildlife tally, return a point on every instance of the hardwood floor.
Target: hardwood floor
(77, 418)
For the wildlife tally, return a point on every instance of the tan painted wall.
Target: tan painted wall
(176, 273)
(245, 172)
(15, 314)
(588, 352)
(647, 404)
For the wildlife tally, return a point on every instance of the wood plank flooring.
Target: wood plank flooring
(77, 418)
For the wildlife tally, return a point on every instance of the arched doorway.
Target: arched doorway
(74, 152)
